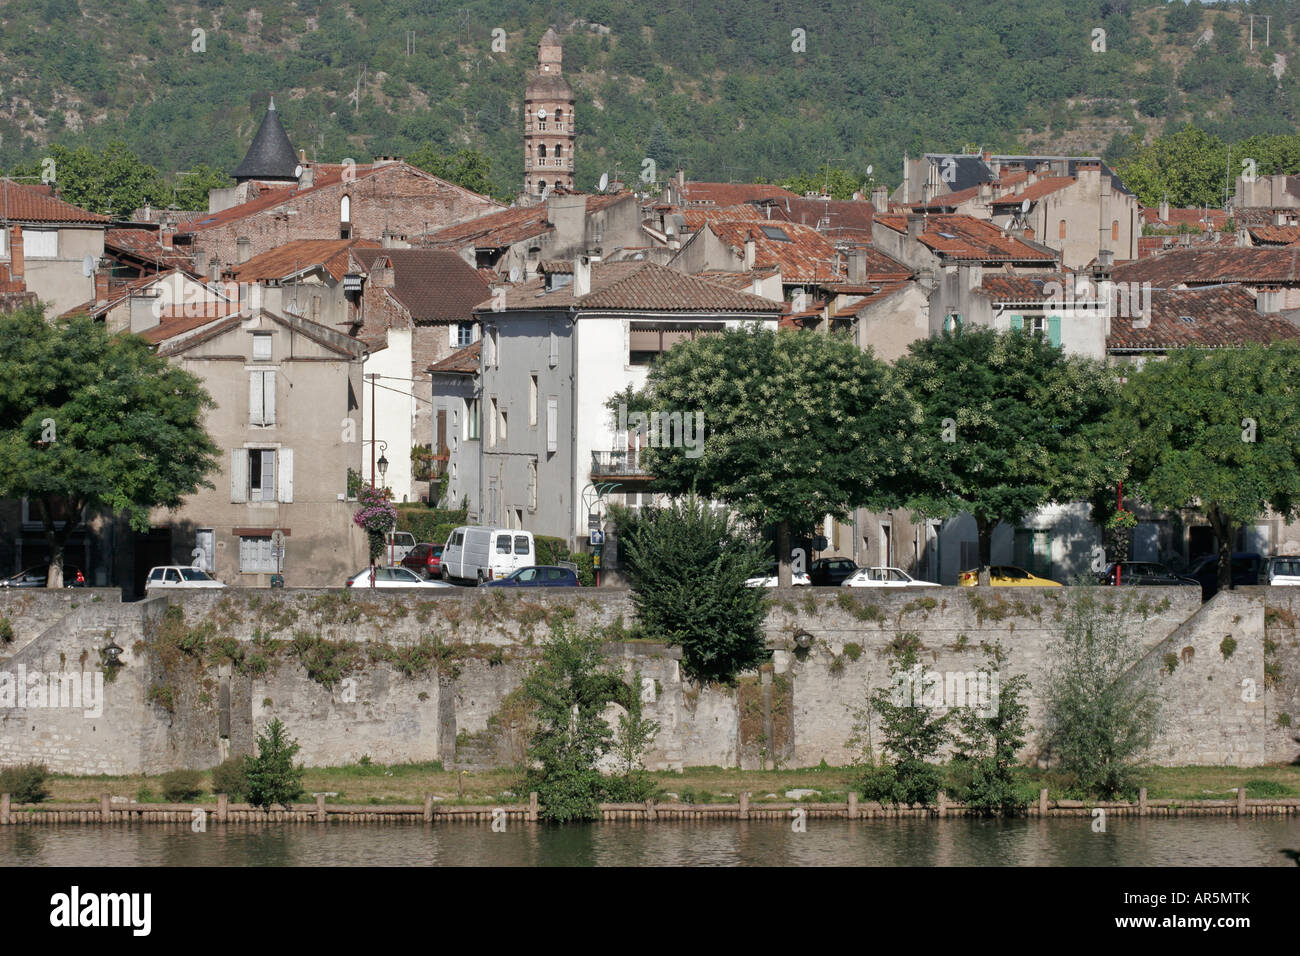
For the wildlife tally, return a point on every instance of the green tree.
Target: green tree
(990, 735)
(110, 181)
(687, 565)
(912, 730)
(189, 189)
(1187, 167)
(839, 182)
(998, 425)
(632, 739)
(100, 424)
(1100, 713)
(271, 777)
(1217, 430)
(793, 421)
(570, 688)
(468, 168)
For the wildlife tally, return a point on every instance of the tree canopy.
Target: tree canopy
(1217, 430)
(98, 422)
(999, 424)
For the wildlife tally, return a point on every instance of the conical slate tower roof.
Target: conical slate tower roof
(271, 156)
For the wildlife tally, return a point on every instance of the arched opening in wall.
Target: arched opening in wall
(559, 156)
(1114, 230)
(1060, 230)
(559, 119)
(345, 217)
(541, 155)
(541, 186)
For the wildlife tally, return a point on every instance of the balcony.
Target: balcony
(625, 464)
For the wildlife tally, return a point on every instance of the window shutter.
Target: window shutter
(1054, 329)
(555, 349)
(1017, 322)
(255, 398)
(452, 329)
(286, 475)
(552, 424)
(239, 475)
(268, 398)
(268, 475)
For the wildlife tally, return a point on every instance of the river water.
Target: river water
(1186, 841)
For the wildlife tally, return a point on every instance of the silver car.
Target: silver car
(884, 578)
(395, 577)
(1283, 570)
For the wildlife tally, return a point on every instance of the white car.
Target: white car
(797, 579)
(1283, 570)
(395, 577)
(179, 576)
(884, 578)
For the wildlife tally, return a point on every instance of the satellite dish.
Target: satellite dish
(1024, 206)
(88, 266)
(541, 114)
(514, 273)
(604, 181)
(297, 171)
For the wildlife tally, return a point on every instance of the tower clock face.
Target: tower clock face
(541, 114)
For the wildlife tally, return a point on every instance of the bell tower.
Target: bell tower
(548, 122)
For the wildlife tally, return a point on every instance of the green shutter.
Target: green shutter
(1017, 323)
(1054, 329)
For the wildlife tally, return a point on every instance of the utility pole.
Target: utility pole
(372, 376)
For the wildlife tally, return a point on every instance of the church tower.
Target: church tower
(548, 122)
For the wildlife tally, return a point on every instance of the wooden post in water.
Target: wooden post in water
(223, 807)
(1042, 801)
(532, 807)
(744, 805)
(1142, 801)
(428, 808)
(4, 809)
(943, 804)
(105, 807)
(1241, 800)
(853, 804)
(650, 809)
(320, 808)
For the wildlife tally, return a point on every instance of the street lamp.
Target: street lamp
(383, 466)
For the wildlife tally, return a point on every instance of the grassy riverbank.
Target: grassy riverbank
(408, 783)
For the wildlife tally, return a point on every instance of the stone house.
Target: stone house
(47, 246)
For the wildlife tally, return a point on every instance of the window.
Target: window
(496, 347)
(471, 419)
(532, 401)
(552, 424)
(493, 416)
(775, 232)
(559, 153)
(1060, 230)
(261, 398)
(952, 322)
(2, 243)
(261, 346)
(554, 359)
(41, 243)
(504, 422)
(464, 334)
(532, 484)
(1114, 230)
(541, 151)
(345, 210)
(256, 556)
(503, 544)
(521, 540)
(261, 474)
(243, 249)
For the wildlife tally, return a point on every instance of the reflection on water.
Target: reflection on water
(1207, 841)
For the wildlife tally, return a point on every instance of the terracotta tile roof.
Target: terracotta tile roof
(838, 218)
(1035, 191)
(433, 284)
(1213, 265)
(1275, 235)
(880, 266)
(118, 293)
(460, 362)
(696, 218)
(1221, 316)
(732, 194)
(1265, 215)
(736, 280)
(22, 203)
(965, 237)
(508, 226)
(1012, 288)
(173, 326)
(805, 255)
(634, 287)
(212, 310)
(143, 244)
(1212, 219)
(299, 256)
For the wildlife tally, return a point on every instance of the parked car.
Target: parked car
(179, 576)
(1143, 573)
(397, 545)
(544, 576)
(37, 575)
(1283, 570)
(831, 572)
(1006, 575)
(393, 577)
(798, 579)
(1246, 569)
(425, 560)
(483, 554)
(885, 578)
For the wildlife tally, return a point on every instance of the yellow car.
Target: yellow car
(1006, 575)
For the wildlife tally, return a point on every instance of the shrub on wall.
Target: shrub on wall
(25, 783)
(429, 524)
(272, 777)
(230, 777)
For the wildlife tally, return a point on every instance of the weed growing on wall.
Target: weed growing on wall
(985, 762)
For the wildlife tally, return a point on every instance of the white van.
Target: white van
(482, 554)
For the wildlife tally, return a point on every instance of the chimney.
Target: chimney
(681, 177)
(302, 156)
(880, 199)
(857, 265)
(17, 264)
(915, 226)
(1163, 212)
(101, 286)
(985, 192)
(907, 184)
(382, 273)
(581, 276)
(1185, 240)
(751, 250)
(166, 234)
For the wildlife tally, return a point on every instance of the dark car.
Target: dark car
(425, 560)
(1246, 568)
(1145, 573)
(831, 572)
(35, 577)
(544, 576)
